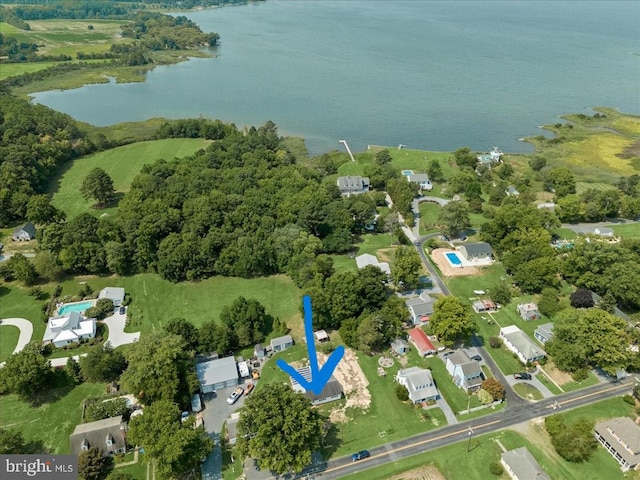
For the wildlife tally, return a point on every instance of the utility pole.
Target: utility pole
(469, 442)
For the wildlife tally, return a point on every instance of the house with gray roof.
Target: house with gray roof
(520, 465)
(332, 390)
(419, 383)
(280, 344)
(422, 179)
(109, 435)
(512, 191)
(217, 374)
(115, 294)
(420, 308)
(544, 332)
(355, 185)
(528, 311)
(24, 233)
(621, 438)
(465, 372)
(400, 346)
(367, 259)
(70, 328)
(519, 343)
(476, 251)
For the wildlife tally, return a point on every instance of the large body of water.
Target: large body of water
(430, 75)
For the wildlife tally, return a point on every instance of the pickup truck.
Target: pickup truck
(235, 395)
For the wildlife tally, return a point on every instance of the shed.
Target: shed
(259, 352)
(280, 344)
(481, 306)
(24, 233)
(321, 336)
(400, 346)
(217, 374)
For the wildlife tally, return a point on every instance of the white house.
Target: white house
(465, 372)
(367, 259)
(520, 465)
(621, 438)
(70, 328)
(422, 179)
(528, 311)
(519, 343)
(115, 294)
(419, 383)
(603, 231)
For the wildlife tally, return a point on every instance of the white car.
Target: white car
(235, 395)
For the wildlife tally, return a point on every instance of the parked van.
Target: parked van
(196, 403)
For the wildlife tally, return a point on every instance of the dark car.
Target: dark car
(522, 376)
(360, 455)
(121, 310)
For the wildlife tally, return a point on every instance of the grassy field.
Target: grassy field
(428, 217)
(629, 230)
(13, 69)
(582, 187)
(122, 164)
(527, 391)
(455, 463)
(53, 421)
(15, 302)
(8, 340)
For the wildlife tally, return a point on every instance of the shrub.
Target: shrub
(402, 393)
(629, 399)
(495, 342)
(495, 468)
(580, 375)
(484, 397)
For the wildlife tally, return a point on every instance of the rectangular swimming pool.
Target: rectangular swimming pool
(406, 173)
(453, 259)
(74, 307)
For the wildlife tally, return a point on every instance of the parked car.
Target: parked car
(360, 455)
(522, 376)
(477, 358)
(184, 416)
(196, 403)
(235, 395)
(121, 310)
(248, 389)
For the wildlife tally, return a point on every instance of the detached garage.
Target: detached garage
(217, 374)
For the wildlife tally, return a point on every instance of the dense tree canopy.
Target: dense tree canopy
(26, 373)
(451, 320)
(279, 428)
(454, 218)
(405, 271)
(102, 364)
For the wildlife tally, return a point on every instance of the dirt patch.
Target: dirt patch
(535, 433)
(386, 255)
(422, 473)
(558, 376)
(445, 267)
(353, 381)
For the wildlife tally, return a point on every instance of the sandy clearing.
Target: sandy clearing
(445, 267)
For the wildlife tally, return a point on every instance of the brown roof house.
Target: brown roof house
(109, 435)
(621, 437)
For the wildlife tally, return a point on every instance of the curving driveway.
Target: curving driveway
(117, 335)
(26, 331)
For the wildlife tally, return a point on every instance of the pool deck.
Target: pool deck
(448, 270)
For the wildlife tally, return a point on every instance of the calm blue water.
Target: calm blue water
(453, 258)
(75, 307)
(430, 75)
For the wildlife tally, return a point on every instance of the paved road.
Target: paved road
(26, 332)
(588, 227)
(425, 442)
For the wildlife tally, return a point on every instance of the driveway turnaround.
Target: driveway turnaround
(117, 335)
(26, 331)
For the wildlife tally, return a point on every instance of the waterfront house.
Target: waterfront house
(355, 185)
(422, 179)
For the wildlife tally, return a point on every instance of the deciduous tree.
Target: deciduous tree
(247, 318)
(279, 428)
(454, 218)
(451, 320)
(581, 298)
(99, 186)
(26, 373)
(102, 364)
(405, 271)
(494, 387)
(93, 465)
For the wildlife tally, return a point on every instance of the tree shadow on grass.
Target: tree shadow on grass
(332, 441)
(58, 387)
(117, 197)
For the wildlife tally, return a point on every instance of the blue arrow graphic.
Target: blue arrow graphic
(319, 376)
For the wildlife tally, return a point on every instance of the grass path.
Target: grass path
(122, 164)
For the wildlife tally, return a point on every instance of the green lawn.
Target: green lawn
(122, 164)
(51, 422)
(155, 301)
(629, 230)
(373, 242)
(15, 302)
(582, 187)
(8, 340)
(13, 69)
(428, 217)
(138, 470)
(527, 391)
(455, 463)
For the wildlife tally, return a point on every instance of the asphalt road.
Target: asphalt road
(428, 441)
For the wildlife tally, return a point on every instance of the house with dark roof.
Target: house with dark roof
(332, 390)
(355, 185)
(520, 465)
(217, 374)
(420, 308)
(115, 294)
(544, 332)
(419, 383)
(24, 233)
(280, 344)
(421, 341)
(109, 435)
(621, 438)
(477, 251)
(528, 311)
(518, 342)
(465, 372)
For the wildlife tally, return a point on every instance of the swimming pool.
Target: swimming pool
(74, 307)
(406, 173)
(453, 259)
